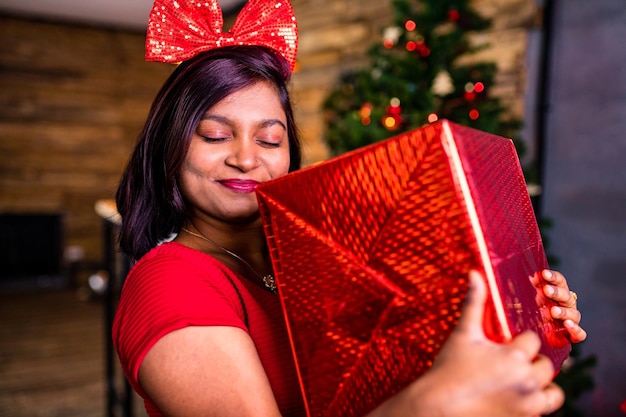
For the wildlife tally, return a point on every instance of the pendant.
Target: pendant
(270, 283)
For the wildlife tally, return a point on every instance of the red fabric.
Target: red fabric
(372, 252)
(173, 287)
(180, 30)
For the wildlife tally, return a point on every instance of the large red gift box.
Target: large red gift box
(372, 249)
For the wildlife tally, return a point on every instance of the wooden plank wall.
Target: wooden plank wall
(73, 98)
(72, 101)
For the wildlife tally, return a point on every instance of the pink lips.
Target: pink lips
(240, 186)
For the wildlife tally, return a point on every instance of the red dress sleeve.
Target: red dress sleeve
(168, 289)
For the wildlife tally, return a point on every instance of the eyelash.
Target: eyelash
(212, 140)
(271, 144)
(262, 142)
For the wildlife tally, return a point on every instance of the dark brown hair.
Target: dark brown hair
(149, 199)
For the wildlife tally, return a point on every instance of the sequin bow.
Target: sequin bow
(181, 29)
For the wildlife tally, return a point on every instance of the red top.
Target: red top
(173, 287)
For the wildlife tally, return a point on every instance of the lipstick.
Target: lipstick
(240, 186)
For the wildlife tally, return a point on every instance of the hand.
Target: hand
(557, 289)
(474, 376)
(501, 379)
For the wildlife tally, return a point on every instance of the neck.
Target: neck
(246, 239)
(243, 251)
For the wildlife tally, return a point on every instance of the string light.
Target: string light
(477, 87)
(393, 118)
(469, 95)
(471, 89)
(454, 15)
(423, 50)
(389, 122)
(365, 113)
(391, 36)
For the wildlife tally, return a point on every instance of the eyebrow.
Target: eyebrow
(229, 122)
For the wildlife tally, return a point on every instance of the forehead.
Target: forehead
(258, 98)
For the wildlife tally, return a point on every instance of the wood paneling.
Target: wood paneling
(72, 101)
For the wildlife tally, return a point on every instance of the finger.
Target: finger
(557, 288)
(576, 333)
(543, 370)
(535, 279)
(543, 401)
(526, 345)
(554, 278)
(559, 294)
(573, 299)
(553, 399)
(563, 313)
(473, 311)
(571, 320)
(537, 375)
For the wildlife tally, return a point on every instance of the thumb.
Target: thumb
(472, 316)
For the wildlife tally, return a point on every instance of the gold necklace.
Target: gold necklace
(268, 280)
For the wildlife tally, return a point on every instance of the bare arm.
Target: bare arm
(207, 371)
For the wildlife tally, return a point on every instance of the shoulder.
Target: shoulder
(173, 254)
(170, 288)
(175, 277)
(177, 268)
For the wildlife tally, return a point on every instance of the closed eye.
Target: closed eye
(269, 144)
(213, 140)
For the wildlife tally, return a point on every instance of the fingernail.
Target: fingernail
(557, 311)
(549, 290)
(547, 274)
(568, 323)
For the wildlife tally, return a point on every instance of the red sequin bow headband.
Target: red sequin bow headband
(181, 29)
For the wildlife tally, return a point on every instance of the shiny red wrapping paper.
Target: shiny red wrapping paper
(372, 250)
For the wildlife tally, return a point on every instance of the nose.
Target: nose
(243, 155)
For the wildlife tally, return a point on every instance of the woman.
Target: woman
(197, 329)
(221, 124)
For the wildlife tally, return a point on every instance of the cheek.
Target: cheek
(198, 163)
(189, 177)
(189, 169)
(280, 166)
(183, 182)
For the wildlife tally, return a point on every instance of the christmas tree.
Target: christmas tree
(416, 76)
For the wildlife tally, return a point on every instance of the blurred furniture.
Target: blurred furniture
(119, 394)
(31, 250)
